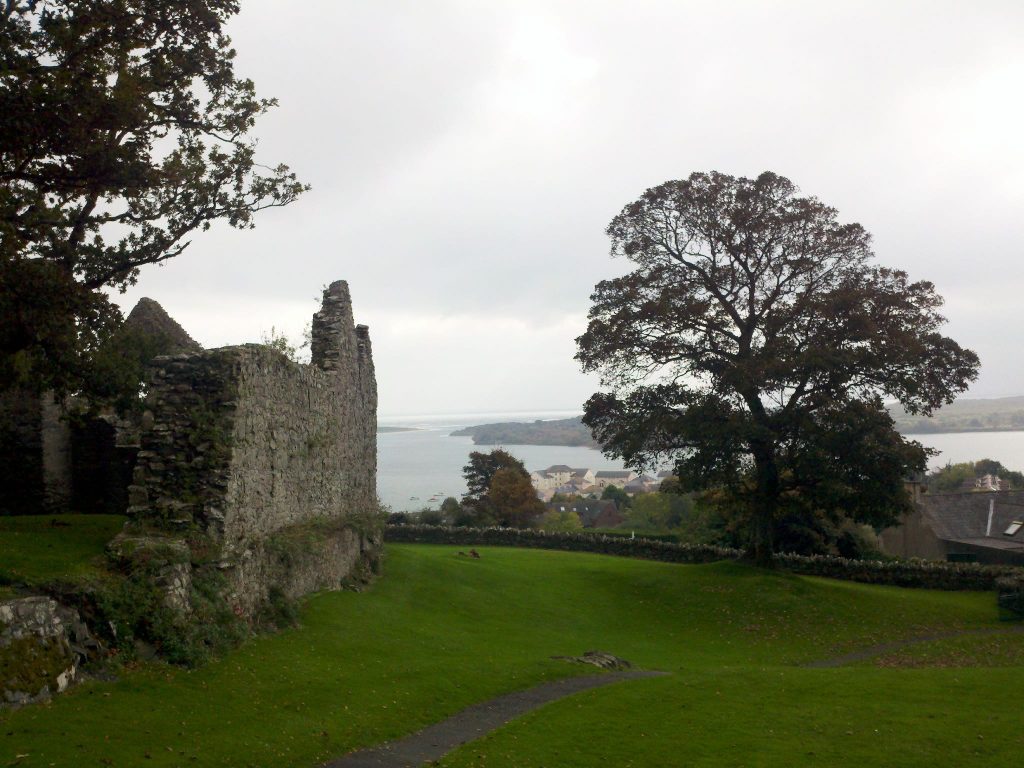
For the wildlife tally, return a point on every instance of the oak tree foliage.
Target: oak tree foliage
(514, 499)
(124, 129)
(481, 468)
(499, 490)
(752, 346)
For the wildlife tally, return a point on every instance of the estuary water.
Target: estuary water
(426, 463)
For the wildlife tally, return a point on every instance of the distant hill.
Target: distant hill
(992, 415)
(569, 432)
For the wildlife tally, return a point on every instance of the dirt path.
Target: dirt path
(472, 723)
(877, 650)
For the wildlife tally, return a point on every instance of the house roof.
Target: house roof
(559, 468)
(613, 473)
(963, 517)
(589, 509)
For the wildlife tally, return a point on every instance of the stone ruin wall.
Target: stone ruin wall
(251, 466)
(35, 454)
(264, 455)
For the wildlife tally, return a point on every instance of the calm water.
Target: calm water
(414, 466)
(1005, 447)
(426, 462)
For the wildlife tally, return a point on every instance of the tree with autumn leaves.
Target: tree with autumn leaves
(499, 490)
(752, 347)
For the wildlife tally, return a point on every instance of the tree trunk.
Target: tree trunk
(766, 495)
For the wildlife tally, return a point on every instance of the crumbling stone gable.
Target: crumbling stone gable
(251, 448)
(149, 318)
(50, 463)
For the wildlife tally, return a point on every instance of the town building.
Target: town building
(962, 527)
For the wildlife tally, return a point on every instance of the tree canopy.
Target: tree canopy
(752, 346)
(514, 499)
(499, 490)
(124, 130)
(481, 469)
(955, 477)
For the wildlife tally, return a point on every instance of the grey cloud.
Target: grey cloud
(466, 157)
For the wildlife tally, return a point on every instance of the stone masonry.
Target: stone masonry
(272, 462)
(41, 646)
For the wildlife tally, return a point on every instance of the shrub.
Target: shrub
(1010, 597)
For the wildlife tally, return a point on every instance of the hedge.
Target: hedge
(925, 574)
(1010, 597)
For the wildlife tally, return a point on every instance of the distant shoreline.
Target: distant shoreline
(954, 431)
(572, 433)
(568, 433)
(384, 430)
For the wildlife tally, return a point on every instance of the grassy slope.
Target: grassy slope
(48, 547)
(440, 631)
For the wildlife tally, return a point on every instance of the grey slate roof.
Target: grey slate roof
(589, 510)
(963, 517)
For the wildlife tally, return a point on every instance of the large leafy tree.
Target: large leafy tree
(123, 130)
(513, 499)
(752, 346)
(481, 468)
(498, 490)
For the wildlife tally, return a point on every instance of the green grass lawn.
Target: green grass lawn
(439, 632)
(38, 548)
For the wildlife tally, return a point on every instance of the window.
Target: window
(1015, 526)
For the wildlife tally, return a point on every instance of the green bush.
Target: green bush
(278, 612)
(132, 608)
(1010, 597)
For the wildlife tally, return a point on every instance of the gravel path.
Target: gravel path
(878, 650)
(472, 723)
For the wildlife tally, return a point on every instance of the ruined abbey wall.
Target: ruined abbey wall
(264, 455)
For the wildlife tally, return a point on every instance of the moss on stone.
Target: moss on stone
(32, 665)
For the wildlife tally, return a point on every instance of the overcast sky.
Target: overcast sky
(465, 158)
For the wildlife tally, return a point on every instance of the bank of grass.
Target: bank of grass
(1000, 649)
(440, 631)
(41, 548)
(769, 717)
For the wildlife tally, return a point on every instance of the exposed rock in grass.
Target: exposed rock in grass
(42, 645)
(600, 659)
